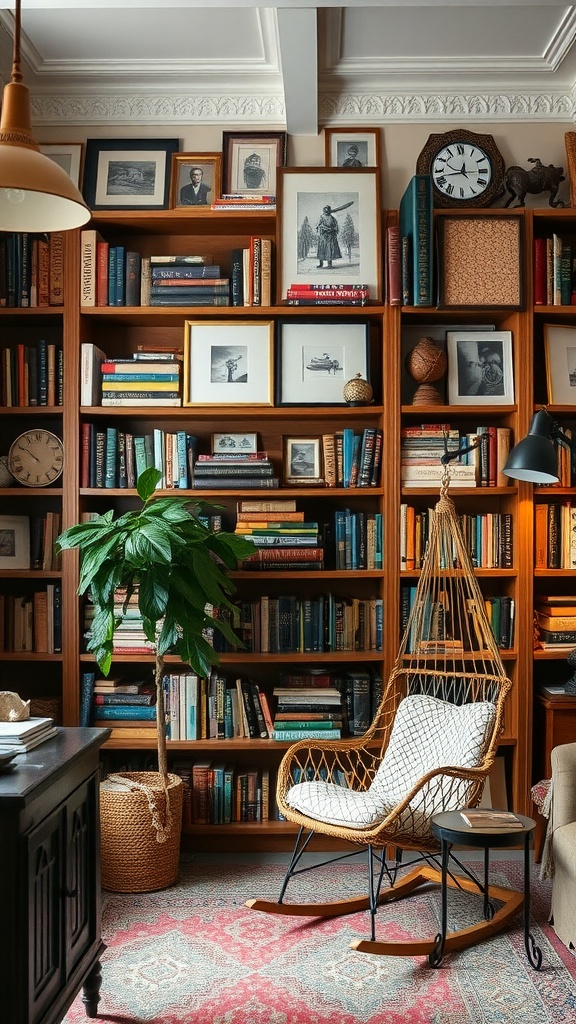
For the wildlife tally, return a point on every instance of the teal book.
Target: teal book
(416, 225)
(117, 712)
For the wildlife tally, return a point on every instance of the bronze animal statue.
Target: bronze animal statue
(539, 178)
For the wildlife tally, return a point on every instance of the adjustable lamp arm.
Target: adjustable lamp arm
(534, 458)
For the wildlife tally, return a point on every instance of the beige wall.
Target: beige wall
(400, 145)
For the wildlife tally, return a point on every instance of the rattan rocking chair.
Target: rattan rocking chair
(429, 749)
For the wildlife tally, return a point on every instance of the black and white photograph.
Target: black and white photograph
(315, 358)
(234, 443)
(329, 231)
(14, 542)
(195, 180)
(228, 363)
(560, 352)
(480, 368)
(128, 174)
(352, 147)
(302, 461)
(250, 162)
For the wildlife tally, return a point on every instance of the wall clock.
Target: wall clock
(36, 458)
(467, 169)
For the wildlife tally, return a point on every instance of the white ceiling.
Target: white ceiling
(300, 64)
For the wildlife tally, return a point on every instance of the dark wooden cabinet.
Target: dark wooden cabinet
(50, 940)
(554, 723)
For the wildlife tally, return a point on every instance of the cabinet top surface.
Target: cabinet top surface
(41, 766)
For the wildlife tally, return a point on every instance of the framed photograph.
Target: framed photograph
(14, 542)
(302, 461)
(481, 261)
(250, 162)
(196, 180)
(480, 368)
(228, 363)
(328, 228)
(128, 174)
(315, 358)
(354, 147)
(68, 155)
(560, 352)
(234, 443)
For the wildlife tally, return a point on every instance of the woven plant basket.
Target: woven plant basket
(140, 843)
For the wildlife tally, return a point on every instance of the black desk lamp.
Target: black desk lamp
(534, 458)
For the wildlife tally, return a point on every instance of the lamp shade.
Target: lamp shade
(36, 194)
(535, 458)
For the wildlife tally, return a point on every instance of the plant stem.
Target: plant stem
(161, 720)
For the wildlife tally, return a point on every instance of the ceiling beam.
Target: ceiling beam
(298, 48)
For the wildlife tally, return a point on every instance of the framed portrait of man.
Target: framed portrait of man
(195, 181)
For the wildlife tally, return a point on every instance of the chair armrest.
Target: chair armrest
(563, 760)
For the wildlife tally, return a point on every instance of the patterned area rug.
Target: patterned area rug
(195, 954)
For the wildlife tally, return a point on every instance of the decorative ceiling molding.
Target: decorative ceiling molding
(351, 109)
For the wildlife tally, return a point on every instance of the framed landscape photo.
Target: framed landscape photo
(560, 352)
(315, 358)
(14, 542)
(250, 162)
(196, 180)
(302, 461)
(328, 229)
(128, 174)
(228, 363)
(352, 147)
(233, 443)
(480, 368)
(68, 155)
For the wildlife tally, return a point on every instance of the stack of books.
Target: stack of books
(421, 452)
(277, 520)
(187, 284)
(19, 737)
(234, 201)
(556, 620)
(119, 700)
(246, 469)
(31, 270)
(129, 636)
(308, 712)
(328, 294)
(141, 380)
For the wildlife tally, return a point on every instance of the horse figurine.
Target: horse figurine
(538, 178)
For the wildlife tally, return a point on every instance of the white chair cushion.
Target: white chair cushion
(427, 734)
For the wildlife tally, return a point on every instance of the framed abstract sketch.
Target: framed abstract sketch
(315, 358)
(228, 363)
(128, 174)
(251, 160)
(329, 228)
(560, 351)
(196, 180)
(353, 147)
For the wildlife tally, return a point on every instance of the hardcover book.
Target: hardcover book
(416, 211)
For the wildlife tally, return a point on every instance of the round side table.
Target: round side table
(450, 828)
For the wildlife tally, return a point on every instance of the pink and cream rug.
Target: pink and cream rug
(195, 954)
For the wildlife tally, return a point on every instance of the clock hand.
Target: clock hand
(28, 452)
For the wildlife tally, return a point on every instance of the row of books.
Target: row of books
(32, 622)
(438, 626)
(251, 273)
(422, 448)
(352, 459)
(110, 457)
(555, 535)
(555, 618)
(215, 793)
(31, 269)
(345, 294)
(410, 247)
(326, 622)
(554, 271)
(31, 375)
(488, 536)
(358, 539)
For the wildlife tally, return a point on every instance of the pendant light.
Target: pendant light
(36, 194)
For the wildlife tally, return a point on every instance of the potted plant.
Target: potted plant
(163, 553)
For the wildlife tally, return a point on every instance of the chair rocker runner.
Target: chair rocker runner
(430, 748)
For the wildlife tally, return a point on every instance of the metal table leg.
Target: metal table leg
(533, 952)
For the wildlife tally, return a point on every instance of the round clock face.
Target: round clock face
(462, 171)
(36, 458)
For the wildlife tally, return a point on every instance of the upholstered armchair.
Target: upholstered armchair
(563, 828)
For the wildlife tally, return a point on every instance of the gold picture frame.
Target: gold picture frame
(228, 363)
(195, 180)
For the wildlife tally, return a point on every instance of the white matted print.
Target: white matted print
(314, 359)
(14, 542)
(560, 348)
(480, 369)
(228, 363)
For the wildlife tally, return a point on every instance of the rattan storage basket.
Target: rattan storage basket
(133, 858)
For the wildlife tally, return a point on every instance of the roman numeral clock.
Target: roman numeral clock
(467, 169)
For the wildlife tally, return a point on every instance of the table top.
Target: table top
(451, 825)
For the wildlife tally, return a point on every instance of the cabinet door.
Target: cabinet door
(82, 898)
(45, 858)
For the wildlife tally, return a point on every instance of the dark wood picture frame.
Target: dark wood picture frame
(128, 174)
(246, 177)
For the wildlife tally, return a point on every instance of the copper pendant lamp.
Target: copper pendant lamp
(36, 194)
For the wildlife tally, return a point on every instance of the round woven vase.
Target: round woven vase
(357, 391)
(132, 859)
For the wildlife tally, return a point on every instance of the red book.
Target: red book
(102, 273)
(394, 266)
(539, 271)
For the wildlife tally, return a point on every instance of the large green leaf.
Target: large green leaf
(146, 483)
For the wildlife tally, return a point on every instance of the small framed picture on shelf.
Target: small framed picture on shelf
(315, 358)
(68, 155)
(228, 363)
(481, 261)
(302, 461)
(352, 147)
(328, 229)
(250, 162)
(128, 174)
(234, 443)
(14, 542)
(480, 368)
(560, 352)
(196, 180)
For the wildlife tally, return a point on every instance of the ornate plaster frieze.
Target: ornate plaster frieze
(144, 109)
(378, 107)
